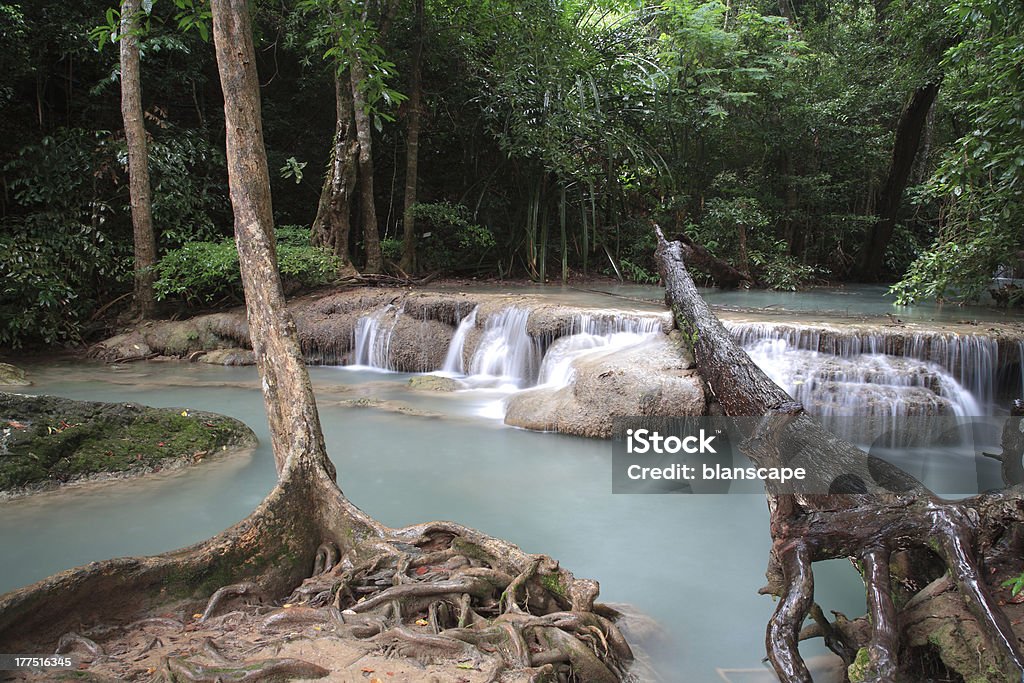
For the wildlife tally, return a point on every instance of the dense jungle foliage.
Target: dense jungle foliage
(801, 140)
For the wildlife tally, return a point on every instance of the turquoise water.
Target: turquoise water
(694, 563)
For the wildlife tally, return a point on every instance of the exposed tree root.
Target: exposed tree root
(178, 670)
(878, 514)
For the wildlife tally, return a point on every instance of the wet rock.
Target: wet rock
(46, 440)
(653, 378)
(434, 383)
(419, 345)
(229, 357)
(12, 376)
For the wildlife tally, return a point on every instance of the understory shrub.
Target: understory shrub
(201, 272)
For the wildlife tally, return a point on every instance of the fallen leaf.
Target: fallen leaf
(420, 571)
(465, 665)
(422, 622)
(197, 616)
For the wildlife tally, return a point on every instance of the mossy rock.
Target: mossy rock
(434, 383)
(229, 357)
(47, 440)
(12, 376)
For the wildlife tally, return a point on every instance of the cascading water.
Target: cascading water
(592, 332)
(965, 362)
(506, 349)
(372, 338)
(454, 362)
(864, 385)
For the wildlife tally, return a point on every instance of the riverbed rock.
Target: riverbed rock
(418, 345)
(12, 376)
(653, 378)
(46, 441)
(434, 383)
(229, 357)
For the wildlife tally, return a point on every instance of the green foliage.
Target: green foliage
(447, 236)
(1015, 584)
(202, 272)
(48, 271)
(979, 181)
(391, 249)
(187, 176)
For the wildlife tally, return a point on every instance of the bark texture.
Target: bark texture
(367, 203)
(138, 166)
(875, 512)
(332, 226)
(412, 149)
(436, 592)
(909, 131)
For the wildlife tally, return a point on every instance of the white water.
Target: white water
(507, 352)
(592, 334)
(454, 362)
(963, 363)
(371, 344)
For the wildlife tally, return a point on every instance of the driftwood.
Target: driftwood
(721, 272)
(384, 280)
(879, 513)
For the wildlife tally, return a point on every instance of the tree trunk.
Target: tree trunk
(333, 223)
(412, 149)
(723, 274)
(908, 139)
(138, 167)
(534, 607)
(885, 514)
(371, 236)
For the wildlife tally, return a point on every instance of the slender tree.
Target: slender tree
(412, 148)
(909, 132)
(138, 168)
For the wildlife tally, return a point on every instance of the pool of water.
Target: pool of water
(850, 301)
(694, 563)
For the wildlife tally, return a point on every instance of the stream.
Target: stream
(692, 562)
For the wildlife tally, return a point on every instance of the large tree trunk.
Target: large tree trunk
(138, 167)
(367, 582)
(908, 138)
(876, 513)
(412, 149)
(333, 223)
(371, 235)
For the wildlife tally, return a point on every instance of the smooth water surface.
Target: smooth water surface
(694, 563)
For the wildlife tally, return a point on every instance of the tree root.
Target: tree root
(227, 593)
(885, 515)
(71, 641)
(177, 669)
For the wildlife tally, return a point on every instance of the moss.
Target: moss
(553, 583)
(470, 550)
(54, 440)
(860, 670)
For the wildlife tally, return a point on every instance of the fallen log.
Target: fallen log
(885, 512)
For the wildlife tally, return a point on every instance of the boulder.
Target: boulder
(654, 378)
(12, 376)
(434, 383)
(229, 357)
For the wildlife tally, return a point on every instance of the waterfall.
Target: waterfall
(971, 359)
(372, 338)
(506, 349)
(453, 362)
(863, 385)
(590, 333)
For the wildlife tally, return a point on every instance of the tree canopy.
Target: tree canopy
(789, 138)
